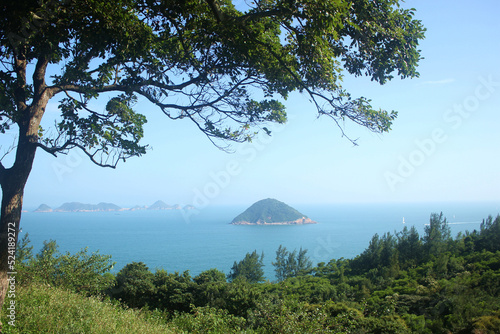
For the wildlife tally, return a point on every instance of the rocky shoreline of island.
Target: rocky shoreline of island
(300, 221)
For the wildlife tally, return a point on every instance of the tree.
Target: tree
(211, 288)
(134, 285)
(250, 269)
(409, 246)
(489, 237)
(436, 235)
(290, 264)
(197, 60)
(174, 292)
(210, 276)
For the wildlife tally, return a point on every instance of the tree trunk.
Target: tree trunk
(13, 181)
(12, 198)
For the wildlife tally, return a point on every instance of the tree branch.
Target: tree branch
(19, 93)
(125, 87)
(39, 75)
(260, 15)
(10, 149)
(219, 16)
(71, 144)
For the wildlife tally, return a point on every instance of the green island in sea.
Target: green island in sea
(271, 212)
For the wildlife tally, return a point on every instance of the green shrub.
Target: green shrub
(80, 272)
(208, 320)
(288, 317)
(489, 324)
(173, 292)
(134, 285)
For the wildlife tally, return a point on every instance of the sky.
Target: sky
(444, 145)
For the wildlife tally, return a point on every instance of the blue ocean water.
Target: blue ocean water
(199, 240)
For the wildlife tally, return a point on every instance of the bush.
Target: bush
(489, 324)
(134, 285)
(209, 320)
(80, 272)
(288, 316)
(174, 292)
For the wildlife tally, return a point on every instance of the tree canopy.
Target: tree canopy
(249, 269)
(290, 264)
(196, 60)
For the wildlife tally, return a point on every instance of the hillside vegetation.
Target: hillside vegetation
(401, 283)
(42, 308)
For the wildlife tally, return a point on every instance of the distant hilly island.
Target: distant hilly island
(82, 207)
(271, 212)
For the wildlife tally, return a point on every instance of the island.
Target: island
(160, 205)
(271, 212)
(82, 207)
(44, 208)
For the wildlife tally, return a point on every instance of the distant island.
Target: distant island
(104, 207)
(271, 212)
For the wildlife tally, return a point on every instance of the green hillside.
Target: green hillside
(269, 211)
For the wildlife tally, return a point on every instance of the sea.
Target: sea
(198, 240)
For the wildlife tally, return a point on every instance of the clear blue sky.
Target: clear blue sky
(444, 146)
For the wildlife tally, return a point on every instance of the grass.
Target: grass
(45, 309)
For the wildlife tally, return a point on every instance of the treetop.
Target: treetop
(205, 61)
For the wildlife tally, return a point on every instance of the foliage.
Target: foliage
(206, 57)
(80, 272)
(210, 276)
(291, 264)
(209, 320)
(488, 324)
(489, 235)
(173, 291)
(437, 233)
(24, 251)
(134, 285)
(283, 316)
(249, 269)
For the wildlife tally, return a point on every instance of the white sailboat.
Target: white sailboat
(404, 220)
